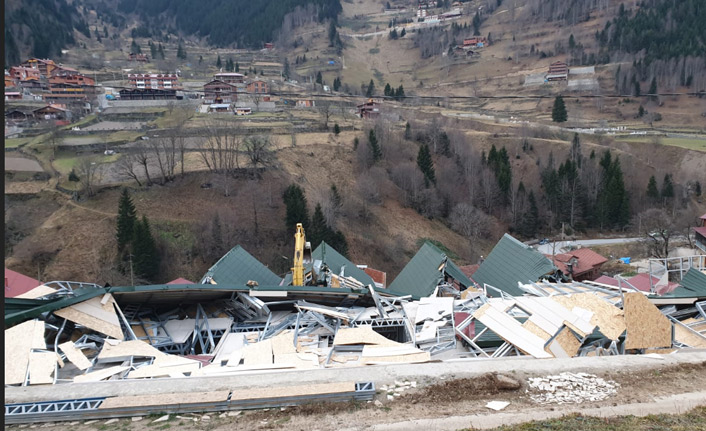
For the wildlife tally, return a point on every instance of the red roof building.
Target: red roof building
(258, 87)
(16, 284)
(581, 264)
(369, 109)
(160, 81)
(180, 281)
(379, 277)
(640, 282)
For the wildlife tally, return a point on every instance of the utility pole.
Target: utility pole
(132, 275)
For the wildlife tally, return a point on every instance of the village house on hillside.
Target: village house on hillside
(219, 92)
(143, 58)
(369, 109)
(258, 86)
(558, 71)
(579, 265)
(230, 77)
(160, 81)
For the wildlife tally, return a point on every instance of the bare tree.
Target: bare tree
(326, 111)
(143, 158)
(220, 147)
(470, 222)
(88, 173)
(659, 228)
(259, 149)
(127, 167)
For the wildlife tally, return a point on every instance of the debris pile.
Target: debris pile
(567, 388)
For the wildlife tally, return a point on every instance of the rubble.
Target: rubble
(568, 388)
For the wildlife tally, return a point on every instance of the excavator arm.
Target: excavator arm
(302, 255)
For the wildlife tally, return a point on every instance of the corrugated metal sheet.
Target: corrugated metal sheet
(238, 267)
(336, 261)
(421, 275)
(511, 262)
(693, 285)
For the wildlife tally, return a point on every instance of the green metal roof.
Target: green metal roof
(511, 262)
(18, 310)
(238, 267)
(336, 261)
(421, 275)
(693, 285)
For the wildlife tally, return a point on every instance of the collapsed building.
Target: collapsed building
(242, 318)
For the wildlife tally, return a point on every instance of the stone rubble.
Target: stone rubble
(567, 388)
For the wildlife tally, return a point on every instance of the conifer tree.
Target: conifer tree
(399, 94)
(387, 89)
(371, 89)
(237, 67)
(319, 78)
(297, 212)
(653, 89)
(426, 165)
(161, 51)
(181, 52)
(336, 129)
(652, 192)
(408, 131)
(219, 64)
(317, 231)
(127, 215)
(667, 188)
(374, 146)
(530, 222)
(559, 114)
(145, 258)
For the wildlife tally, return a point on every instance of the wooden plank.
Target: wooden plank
(37, 292)
(94, 315)
(536, 330)
(691, 339)
(283, 343)
(126, 349)
(568, 342)
(75, 355)
(164, 399)
(646, 326)
(41, 367)
(607, 317)
(556, 313)
(258, 353)
(17, 348)
(511, 331)
(292, 391)
(361, 335)
(99, 375)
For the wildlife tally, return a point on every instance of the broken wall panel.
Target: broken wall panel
(97, 314)
(609, 318)
(511, 331)
(75, 355)
(18, 347)
(646, 326)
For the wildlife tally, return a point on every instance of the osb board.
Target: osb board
(124, 349)
(361, 335)
(646, 326)
(17, 348)
(299, 360)
(510, 330)
(154, 370)
(75, 355)
(164, 399)
(41, 367)
(607, 317)
(660, 351)
(292, 391)
(95, 315)
(536, 330)
(37, 292)
(283, 343)
(413, 358)
(99, 375)
(683, 335)
(258, 353)
(568, 342)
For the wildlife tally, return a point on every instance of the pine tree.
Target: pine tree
(161, 51)
(297, 212)
(317, 231)
(181, 52)
(336, 200)
(145, 258)
(559, 114)
(219, 64)
(387, 90)
(127, 215)
(153, 50)
(336, 129)
(408, 131)
(374, 146)
(652, 192)
(653, 89)
(637, 90)
(667, 188)
(426, 165)
(237, 67)
(371, 89)
(319, 78)
(285, 70)
(530, 222)
(403, 33)
(399, 94)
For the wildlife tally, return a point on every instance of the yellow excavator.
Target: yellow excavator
(302, 255)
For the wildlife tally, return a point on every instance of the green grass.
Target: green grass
(84, 121)
(177, 234)
(67, 160)
(693, 420)
(451, 255)
(16, 142)
(695, 144)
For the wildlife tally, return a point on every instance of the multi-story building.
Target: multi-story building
(219, 92)
(154, 81)
(230, 77)
(258, 87)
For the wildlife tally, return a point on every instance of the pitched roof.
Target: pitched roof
(16, 284)
(703, 217)
(605, 279)
(238, 267)
(511, 262)
(422, 274)
(642, 282)
(586, 260)
(181, 281)
(693, 285)
(700, 230)
(335, 261)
